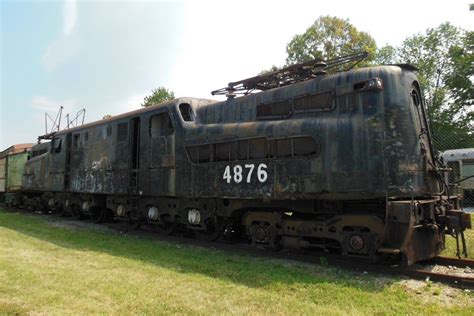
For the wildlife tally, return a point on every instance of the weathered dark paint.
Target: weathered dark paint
(374, 160)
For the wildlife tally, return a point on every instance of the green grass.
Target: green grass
(450, 250)
(45, 269)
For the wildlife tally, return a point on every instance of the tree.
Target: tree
(157, 96)
(445, 59)
(329, 37)
(443, 55)
(385, 55)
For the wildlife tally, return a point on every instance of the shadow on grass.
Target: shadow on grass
(239, 269)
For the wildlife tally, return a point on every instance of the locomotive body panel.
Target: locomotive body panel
(352, 143)
(368, 140)
(36, 171)
(341, 161)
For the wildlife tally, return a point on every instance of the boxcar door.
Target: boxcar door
(162, 156)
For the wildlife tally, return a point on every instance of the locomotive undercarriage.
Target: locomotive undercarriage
(411, 230)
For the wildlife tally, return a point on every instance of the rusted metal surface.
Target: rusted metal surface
(347, 155)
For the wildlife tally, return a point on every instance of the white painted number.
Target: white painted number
(227, 175)
(262, 174)
(237, 173)
(249, 175)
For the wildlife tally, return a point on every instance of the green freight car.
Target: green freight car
(12, 161)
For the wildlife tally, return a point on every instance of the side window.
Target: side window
(315, 102)
(224, 151)
(122, 132)
(98, 132)
(186, 112)
(204, 153)
(276, 110)
(200, 153)
(258, 148)
(283, 148)
(160, 125)
(254, 148)
(56, 145)
(243, 149)
(75, 140)
(305, 146)
(295, 147)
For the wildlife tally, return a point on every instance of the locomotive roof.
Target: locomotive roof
(320, 83)
(135, 112)
(324, 82)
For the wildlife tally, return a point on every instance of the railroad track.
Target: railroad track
(465, 281)
(420, 271)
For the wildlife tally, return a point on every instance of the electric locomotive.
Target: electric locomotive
(339, 161)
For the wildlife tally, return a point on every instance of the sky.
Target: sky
(106, 56)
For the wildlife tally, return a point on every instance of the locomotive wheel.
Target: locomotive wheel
(165, 227)
(98, 214)
(232, 231)
(76, 213)
(214, 229)
(61, 212)
(264, 235)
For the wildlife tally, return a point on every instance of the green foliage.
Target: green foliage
(443, 55)
(445, 59)
(158, 96)
(329, 37)
(385, 55)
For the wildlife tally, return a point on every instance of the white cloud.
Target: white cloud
(60, 50)
(69, 16)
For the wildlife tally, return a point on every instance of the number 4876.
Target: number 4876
(237, 173)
